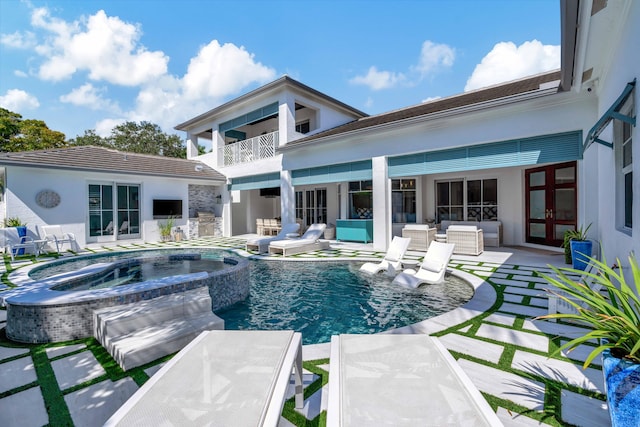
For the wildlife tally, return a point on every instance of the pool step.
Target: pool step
(136, 334)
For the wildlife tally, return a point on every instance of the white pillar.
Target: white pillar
(226, 211)
(381, 205)
(287, 198)
(192, 145)
(286, 120)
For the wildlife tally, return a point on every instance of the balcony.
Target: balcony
(248, 150)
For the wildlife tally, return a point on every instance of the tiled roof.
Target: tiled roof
(99, 159)
(441, 105)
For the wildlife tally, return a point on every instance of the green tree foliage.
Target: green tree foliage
(18, 134)
(143, 138)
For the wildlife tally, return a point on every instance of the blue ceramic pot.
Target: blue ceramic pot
(622, 382)
(580, 250)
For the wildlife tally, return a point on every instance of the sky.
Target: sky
(93, 64)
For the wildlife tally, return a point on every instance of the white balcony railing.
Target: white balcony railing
(248, 150)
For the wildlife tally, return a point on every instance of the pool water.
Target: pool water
(320, 299)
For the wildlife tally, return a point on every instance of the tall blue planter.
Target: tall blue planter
(22, 232)
(580, 250)
(622, 382)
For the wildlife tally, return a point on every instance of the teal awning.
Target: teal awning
(256, 182)
(561, 147)
(612, 113)
(250, 117)
(342, 172)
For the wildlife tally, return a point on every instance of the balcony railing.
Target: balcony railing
(248, 150)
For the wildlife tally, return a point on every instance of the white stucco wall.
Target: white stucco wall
(624, 67)
(72, 213)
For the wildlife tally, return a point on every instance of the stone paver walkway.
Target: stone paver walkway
(505, 353)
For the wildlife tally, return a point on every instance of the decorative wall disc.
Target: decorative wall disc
(47, 199)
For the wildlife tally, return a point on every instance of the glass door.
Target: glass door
(551, 203)
(311, 206)
(128, 211)
(100, 210)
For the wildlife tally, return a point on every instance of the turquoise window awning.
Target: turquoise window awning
(561, 147)
(250, 117)
(613, 113)
(354, 171)
(256, 182)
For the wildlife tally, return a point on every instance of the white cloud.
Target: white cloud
(218, 71)
(18, 40)
(89, 96)
(431, 98)
(104, 127)
(20, 73)
(18, 100)
(377, 80)
(107, 47)
(506, 62)
(434, 56)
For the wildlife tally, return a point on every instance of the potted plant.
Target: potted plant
(610, 309)
(580, 246)
(21, 228)
(165, 229)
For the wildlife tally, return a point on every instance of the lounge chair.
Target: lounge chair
(391, 261)
(12, 242)
(558, 303)
(400, 380)
(308, 242)
(432, 269)
(261, 244)
(54, 234)
(124, 227)
(223, 378)
(108, 230)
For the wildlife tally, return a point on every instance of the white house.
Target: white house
(542, 155)
(104, 195)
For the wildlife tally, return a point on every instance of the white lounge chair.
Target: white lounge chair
(400, 380)
(308, 242)
(124, 227)
(391, 261)
(54, 234)
(12, 242)
(222, 378)
(261, 244)
(432, 269)
(108, 229)
(561, 302)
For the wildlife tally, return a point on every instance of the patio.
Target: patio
(503, 351)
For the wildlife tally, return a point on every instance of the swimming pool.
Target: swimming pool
(318, 299)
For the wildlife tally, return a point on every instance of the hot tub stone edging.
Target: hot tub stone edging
(50, 320)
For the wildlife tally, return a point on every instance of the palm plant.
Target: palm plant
(610, 307)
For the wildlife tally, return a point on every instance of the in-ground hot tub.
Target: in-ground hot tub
(61, 307)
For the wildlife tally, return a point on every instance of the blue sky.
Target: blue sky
(92, 64)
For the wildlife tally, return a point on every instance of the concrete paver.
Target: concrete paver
(93, 405)
(76, 369)
(505, 385)
(511, 336)
(514, 419)
(7, 352)
(462, 344)
(316, 403)
(523, 309)
(24, 409)
(59, 351)
(564, 372)
(500, 318)
(17, 373)
(584, 411)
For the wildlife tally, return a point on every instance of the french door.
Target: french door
(311, 206)
(114, 210)
(551, 203)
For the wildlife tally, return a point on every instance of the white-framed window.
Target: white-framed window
(403, 200)
(467, 200)
(624, 171)
(361, 199)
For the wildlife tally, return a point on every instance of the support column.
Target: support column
(192, 145)
(287, 198)
(226, 210)
(381, 205)
(286, 120)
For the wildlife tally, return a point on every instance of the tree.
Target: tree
(143, 138)
(26, 135)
